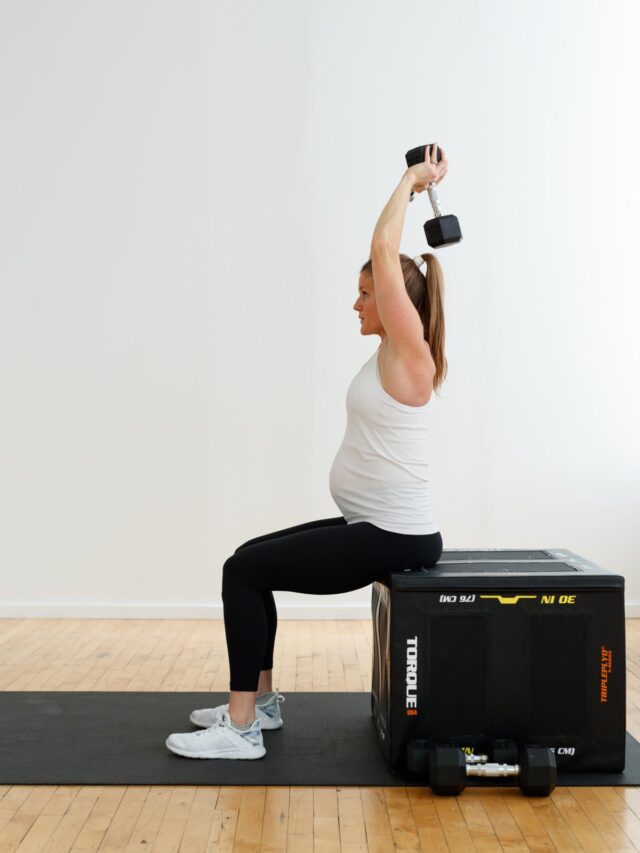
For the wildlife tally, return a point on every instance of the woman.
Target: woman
(378, 480)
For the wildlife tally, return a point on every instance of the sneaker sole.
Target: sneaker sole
(265, 725)
(250, 752)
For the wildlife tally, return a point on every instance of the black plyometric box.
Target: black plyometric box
(527, 645)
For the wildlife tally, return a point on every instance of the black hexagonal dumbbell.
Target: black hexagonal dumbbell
(442, 230)
(449, 770)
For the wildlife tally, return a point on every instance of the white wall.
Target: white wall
(188, 191)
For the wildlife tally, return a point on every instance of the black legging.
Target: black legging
(321, 558)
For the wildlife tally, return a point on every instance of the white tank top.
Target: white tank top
(380, 472)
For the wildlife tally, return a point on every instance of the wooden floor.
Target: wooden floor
(162, 655)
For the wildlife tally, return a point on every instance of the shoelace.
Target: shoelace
(219, 722)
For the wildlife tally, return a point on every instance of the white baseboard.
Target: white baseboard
(170, 611)
(197, 611)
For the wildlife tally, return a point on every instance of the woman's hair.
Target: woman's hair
(428, 298)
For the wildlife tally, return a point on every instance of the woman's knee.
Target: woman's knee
(237, 571)
(230, 574)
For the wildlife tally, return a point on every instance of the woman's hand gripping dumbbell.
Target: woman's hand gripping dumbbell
(431, 169)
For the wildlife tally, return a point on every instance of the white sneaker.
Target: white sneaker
(221, 740)
(267, 711)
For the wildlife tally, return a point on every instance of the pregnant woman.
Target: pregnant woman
(378, 481)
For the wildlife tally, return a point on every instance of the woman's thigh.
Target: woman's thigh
(333, 558)
(308, 525)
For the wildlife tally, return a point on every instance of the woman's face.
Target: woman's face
(365, 305)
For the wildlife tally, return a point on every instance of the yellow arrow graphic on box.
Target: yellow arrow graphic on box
(508, 599)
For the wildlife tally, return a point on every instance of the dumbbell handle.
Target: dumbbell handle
(493, 770)
(433, 198)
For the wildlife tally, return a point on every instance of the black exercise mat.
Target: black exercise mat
(118, 738)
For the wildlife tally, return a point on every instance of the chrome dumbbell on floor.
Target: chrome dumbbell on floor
(449, 769)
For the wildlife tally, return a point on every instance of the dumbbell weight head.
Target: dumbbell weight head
(442, 231)
(447, 771)
(538, 771)
(417, 155)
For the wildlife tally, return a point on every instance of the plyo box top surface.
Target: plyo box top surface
(515, 569)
